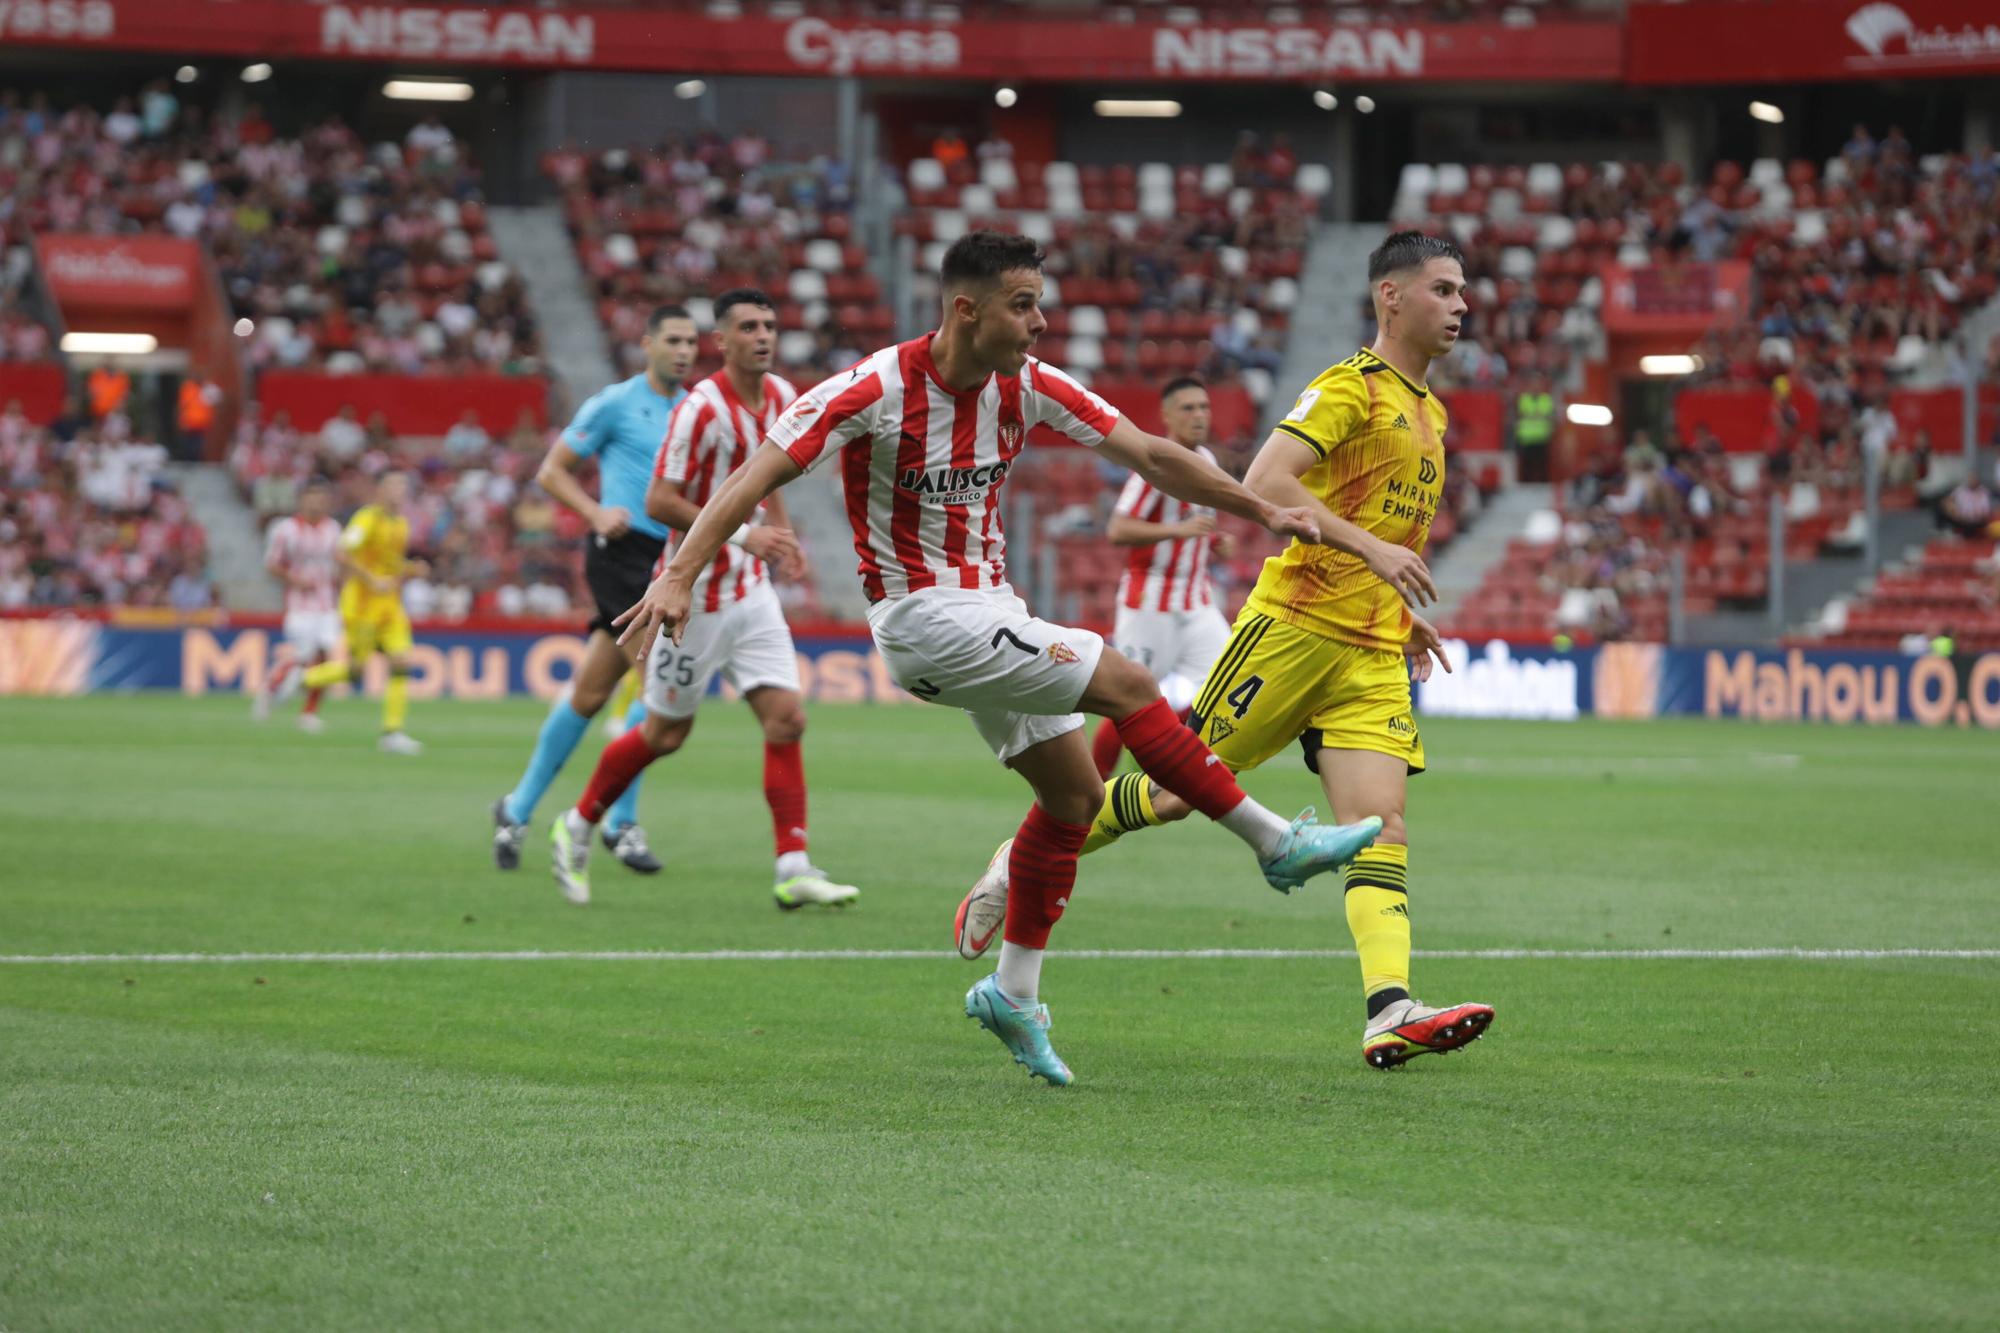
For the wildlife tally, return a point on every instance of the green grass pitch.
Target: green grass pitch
(1718, 1143)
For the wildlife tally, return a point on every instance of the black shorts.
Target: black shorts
(617, 572)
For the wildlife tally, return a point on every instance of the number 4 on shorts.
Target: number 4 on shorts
(1244, 695)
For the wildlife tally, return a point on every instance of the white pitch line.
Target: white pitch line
(932, 956)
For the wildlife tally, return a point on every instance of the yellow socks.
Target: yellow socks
(1378, 912)
(327, 673)
(396, 699)
(1128, 805)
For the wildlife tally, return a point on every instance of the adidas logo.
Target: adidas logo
(1398, 910)
(1400, 423)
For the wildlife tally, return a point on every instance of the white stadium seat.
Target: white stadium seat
(1314, 180)
(1087, 321)
(825, 255)
(1418, 180)
(948, 224)
(927, 173)
(1452, 178)
(806, 284)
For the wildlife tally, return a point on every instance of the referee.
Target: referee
(622, 428)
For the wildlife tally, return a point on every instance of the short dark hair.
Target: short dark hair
(980, 257)
(1410, 249)
(1179, 382)
(315, 483)
(662, 313)
(736, 296)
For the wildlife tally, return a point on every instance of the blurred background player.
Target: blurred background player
(1167, 619)
(934, 425)
(621, 427)
(738, 629)
(302, 553)
(1324, 649)
(375, 552)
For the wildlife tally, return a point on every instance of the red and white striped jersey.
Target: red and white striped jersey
(306, 551)
(1170, 575)
(709, 436)
(922, 466)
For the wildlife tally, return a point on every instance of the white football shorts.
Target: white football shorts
(311, 633)
(747, 641)
(1017, 677)
(1171, 643)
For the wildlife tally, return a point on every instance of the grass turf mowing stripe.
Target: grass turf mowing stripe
(928, 955)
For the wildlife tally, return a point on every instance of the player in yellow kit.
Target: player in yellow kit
(374, 550)
(1325, 648)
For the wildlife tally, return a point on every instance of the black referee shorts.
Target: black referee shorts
(617, 572)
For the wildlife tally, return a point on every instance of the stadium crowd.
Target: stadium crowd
(88, 519)
(344, 256)
(670, 224)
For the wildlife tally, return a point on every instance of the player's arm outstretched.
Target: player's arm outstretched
(665, 605)
(1276, 475)
(1187, 476)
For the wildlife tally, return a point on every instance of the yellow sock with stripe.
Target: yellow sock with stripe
(1378, 913)
(325, 674)
(396, 699)
(1128, 806)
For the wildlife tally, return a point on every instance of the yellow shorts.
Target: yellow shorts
(1276, 683)
(374, 623)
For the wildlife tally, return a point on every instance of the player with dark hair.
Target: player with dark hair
(739, 629)
(1167, 620)
(926, 432)
(621, 428)
(1325, 648)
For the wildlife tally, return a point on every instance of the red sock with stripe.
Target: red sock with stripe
(785, 793)
(622, 761)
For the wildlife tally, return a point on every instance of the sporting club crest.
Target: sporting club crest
(1062, 652)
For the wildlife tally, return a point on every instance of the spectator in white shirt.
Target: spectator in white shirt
(467, 439)
(342, 437)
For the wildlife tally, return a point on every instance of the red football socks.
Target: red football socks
(785, 792)
(623, 760)
(1041, 871)
(1175, 758)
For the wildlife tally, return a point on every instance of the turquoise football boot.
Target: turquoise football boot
(1025, 1031)
(1312, 847)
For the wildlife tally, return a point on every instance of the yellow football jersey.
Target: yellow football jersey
(1380, 442)
(379, 543)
